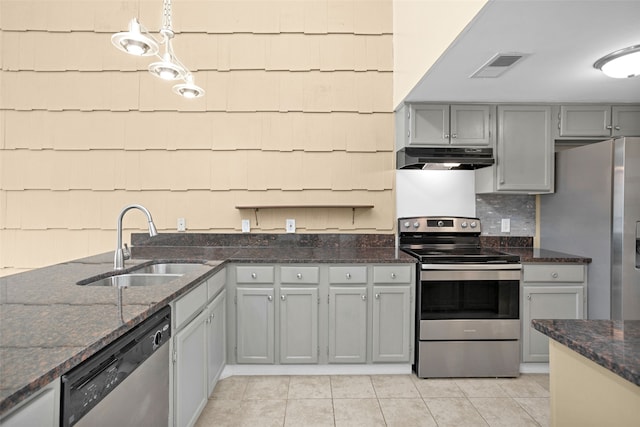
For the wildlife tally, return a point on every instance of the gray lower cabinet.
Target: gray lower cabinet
(550, 291)
(391, 323)
(42, 409)
(199, 353)
(298, 321)
(255, 310)
(347, 324)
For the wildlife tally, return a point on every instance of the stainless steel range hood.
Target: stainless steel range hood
(444, 157)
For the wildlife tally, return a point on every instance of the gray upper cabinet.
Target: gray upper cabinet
(524, 152)
(598, 121)
(441, 124)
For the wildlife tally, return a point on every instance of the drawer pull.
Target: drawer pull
(364, 297)
(393, 275)
(378, 296)
(554, 275)
(348, 275)
(254, 276)
(283, 297)
(299, 275)
(270, 297)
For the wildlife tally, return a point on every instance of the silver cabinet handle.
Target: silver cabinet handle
(393, 275)
(446, 136)
(609, 127)
(378, 296)
(348, 275)
(554, 275)
(254, 276)
(299, 275)
(270, 297)
(455, 135)
(364, 297)
(616, 127)
(529, 297)
(283, 297)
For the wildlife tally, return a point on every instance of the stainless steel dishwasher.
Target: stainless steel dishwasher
(126, 383)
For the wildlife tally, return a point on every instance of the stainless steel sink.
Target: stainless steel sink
(133, 280)
(168, 268)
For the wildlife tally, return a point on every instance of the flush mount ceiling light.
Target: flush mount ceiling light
(620, 64)
(138, 41)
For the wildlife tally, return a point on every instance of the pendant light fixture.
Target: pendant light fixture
(621, 64)
(138, 41)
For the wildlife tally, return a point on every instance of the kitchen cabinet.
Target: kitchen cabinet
(443, 124)
(41, 409)
(199, 353)
(392, 320)
(524, 152)
(549, 291)
(298, 316)
(597, 121)
(321, 314)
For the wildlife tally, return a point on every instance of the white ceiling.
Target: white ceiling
(563, 37)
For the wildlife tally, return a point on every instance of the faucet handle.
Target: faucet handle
(126, 253)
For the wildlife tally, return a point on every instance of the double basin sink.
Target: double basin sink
(145, 275)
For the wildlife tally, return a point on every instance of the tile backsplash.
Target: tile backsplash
(520, 209)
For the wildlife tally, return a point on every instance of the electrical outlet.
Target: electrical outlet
(182, 224)
(505, 225)
(291, 226)
(246, 226)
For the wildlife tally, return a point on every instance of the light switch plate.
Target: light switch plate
(246, 226)
(182, 224)
(290, 226)
(505, 225)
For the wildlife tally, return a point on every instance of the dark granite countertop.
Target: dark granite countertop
(48, 324)
(533, 255)
(612, 344)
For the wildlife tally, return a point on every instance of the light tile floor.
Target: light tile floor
(377, 400)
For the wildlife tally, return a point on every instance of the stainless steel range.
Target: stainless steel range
(468, 310)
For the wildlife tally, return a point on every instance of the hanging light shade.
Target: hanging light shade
(134, 42)
(138, 41)
(189, 89)
(620, 64)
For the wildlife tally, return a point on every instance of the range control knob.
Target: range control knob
(440, 223)
(416, 224)
(157, 338)
(407, 224)
(464, 224)
(474, 224)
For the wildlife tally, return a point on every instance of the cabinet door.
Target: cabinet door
(347, 324)
(391, 323)
(547, 302)
(190, 380)
(255, 325)
(626, 120)
(216, 340)
(298, 316)
(428, 124)
(524, 149)
(470, 125)
(585, 120)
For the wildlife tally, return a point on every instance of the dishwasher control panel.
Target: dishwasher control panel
(91, 381)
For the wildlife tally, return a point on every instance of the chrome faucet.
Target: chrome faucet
(122, 254)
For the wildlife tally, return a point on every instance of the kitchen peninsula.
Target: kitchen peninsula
(594, 371)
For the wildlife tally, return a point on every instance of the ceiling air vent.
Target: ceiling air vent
(499, 64)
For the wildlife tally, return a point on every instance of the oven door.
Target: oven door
(469, 302)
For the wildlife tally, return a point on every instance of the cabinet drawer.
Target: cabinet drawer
(299, 274)
(553, 273)
(348, 274)
(216, 283)
(254, 274)
(393, 274)
(190, 305)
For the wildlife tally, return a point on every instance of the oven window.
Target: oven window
(469, 299)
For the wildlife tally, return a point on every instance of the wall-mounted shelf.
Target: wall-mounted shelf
(353, 208)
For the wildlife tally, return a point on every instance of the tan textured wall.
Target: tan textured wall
(298, 111)
(422, 31)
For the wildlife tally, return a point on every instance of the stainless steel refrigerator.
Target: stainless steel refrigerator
(595, 212)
